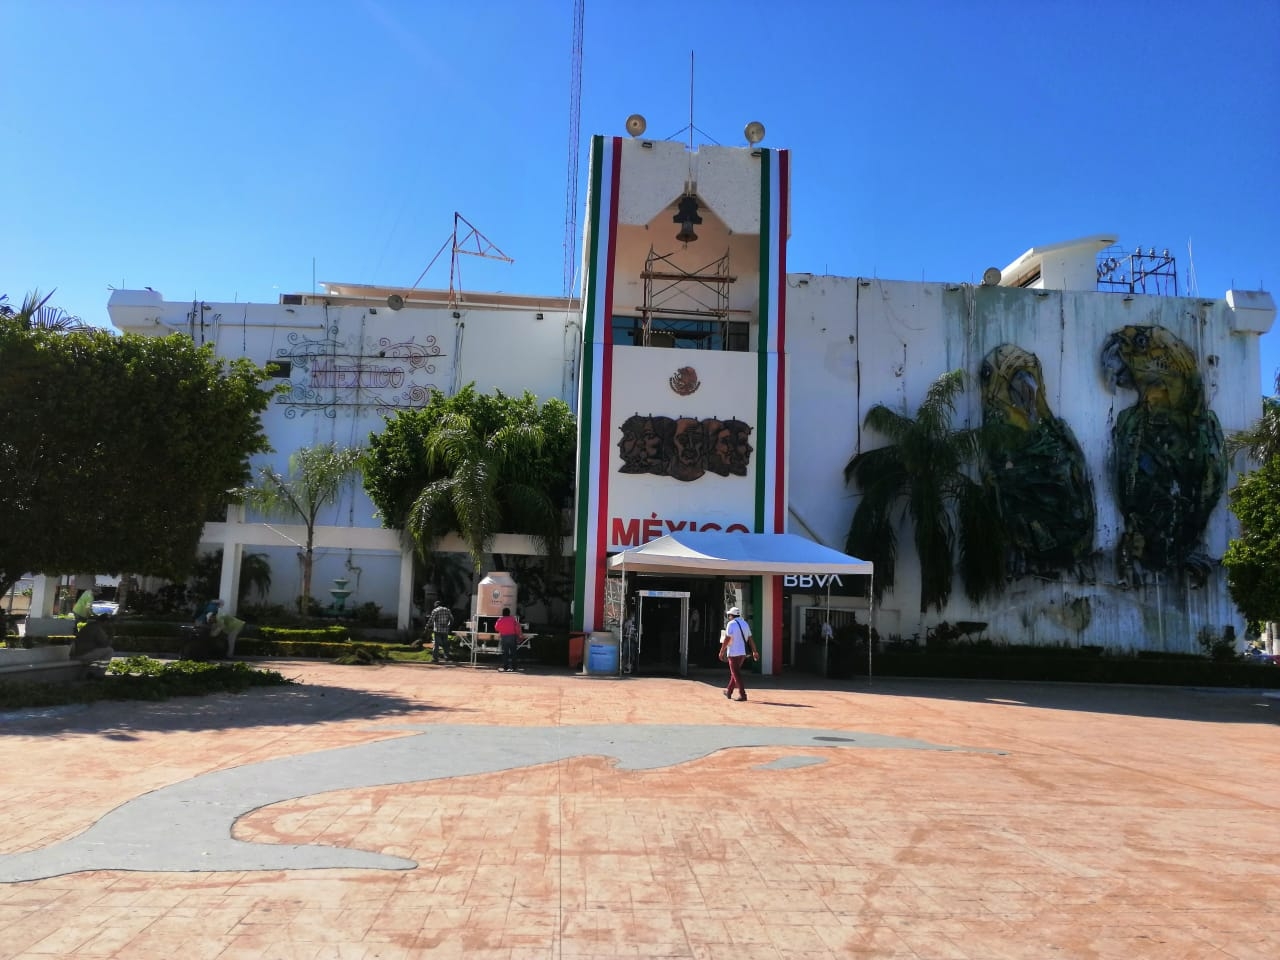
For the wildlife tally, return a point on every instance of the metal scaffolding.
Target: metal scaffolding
(681, 304)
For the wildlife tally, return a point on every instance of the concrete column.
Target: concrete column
(232, 552)
(229, 583)
(769, 642)
(43, 592)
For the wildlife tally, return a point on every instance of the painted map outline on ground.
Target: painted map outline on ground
(187, 826)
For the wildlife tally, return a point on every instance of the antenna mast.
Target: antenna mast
(458, 241)
(571, 178)
(691, 100)
(691, 128)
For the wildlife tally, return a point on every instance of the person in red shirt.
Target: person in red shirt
(508, 630)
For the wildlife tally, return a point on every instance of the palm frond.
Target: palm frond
(431, 516)
(889, 423)
(924, 473)
(1261, 440)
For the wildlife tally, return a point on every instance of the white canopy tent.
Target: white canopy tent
(752, 554)
(749, 554)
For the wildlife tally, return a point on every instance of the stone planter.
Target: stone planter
(19, 657)
(47, 664)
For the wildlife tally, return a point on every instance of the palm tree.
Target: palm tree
(35, 313)
(921, 474)
(317, 476)
(482, 489)
(1261, 440)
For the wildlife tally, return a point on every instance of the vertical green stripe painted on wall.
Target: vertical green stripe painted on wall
(762, 340)
(586, 406)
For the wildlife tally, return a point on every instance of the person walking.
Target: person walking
(508, 630)
(440, 620)
(735, 641)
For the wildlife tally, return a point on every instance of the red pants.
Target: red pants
(735, 676)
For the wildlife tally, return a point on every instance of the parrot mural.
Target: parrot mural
(1035, 467)
(1169, 466)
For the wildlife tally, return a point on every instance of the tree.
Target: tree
(35, 313)
(115, 450)
(921, 475)
(1252, 561)
(317, 476)
(475, 464)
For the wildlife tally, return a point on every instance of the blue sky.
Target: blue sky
(218, 149)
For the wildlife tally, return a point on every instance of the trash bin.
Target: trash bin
(577, 642)
(198, 643)
(602, 654)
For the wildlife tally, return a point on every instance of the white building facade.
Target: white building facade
(715, 390)
(344, 361)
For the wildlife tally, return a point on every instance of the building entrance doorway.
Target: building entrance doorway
(662, 632)
(674, 623)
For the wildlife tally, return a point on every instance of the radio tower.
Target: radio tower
(571, 180)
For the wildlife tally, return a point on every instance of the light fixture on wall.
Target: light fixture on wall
(687, 216)
(457, 315)
(537, 316)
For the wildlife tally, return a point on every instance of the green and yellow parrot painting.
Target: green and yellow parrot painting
(1169, 466)
(1035, 468)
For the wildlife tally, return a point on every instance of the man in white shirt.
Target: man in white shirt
(734, 644)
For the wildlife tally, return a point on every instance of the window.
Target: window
(684, 334)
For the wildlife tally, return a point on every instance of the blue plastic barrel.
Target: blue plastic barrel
(602, 653)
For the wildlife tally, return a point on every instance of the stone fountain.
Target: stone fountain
(340, 594)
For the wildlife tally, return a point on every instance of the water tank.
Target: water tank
(136, 310)
(497, 590)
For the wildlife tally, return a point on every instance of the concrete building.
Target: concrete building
(718, 391)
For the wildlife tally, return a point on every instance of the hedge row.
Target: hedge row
(331, 633)
(1026, 663)
(546, 648)
(249, 647)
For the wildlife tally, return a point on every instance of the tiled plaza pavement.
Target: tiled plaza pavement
(1066, 821)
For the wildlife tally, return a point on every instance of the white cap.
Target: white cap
(733, 612)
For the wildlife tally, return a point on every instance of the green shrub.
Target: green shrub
(140, 678)
(333, 633)
(292, 649)
(367, 614)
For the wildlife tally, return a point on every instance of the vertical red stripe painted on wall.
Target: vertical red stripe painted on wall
(780, 435)
(606, 390)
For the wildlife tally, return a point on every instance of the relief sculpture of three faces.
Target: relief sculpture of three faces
(684, 448)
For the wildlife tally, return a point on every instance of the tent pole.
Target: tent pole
(826, 633)
(871, 620)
